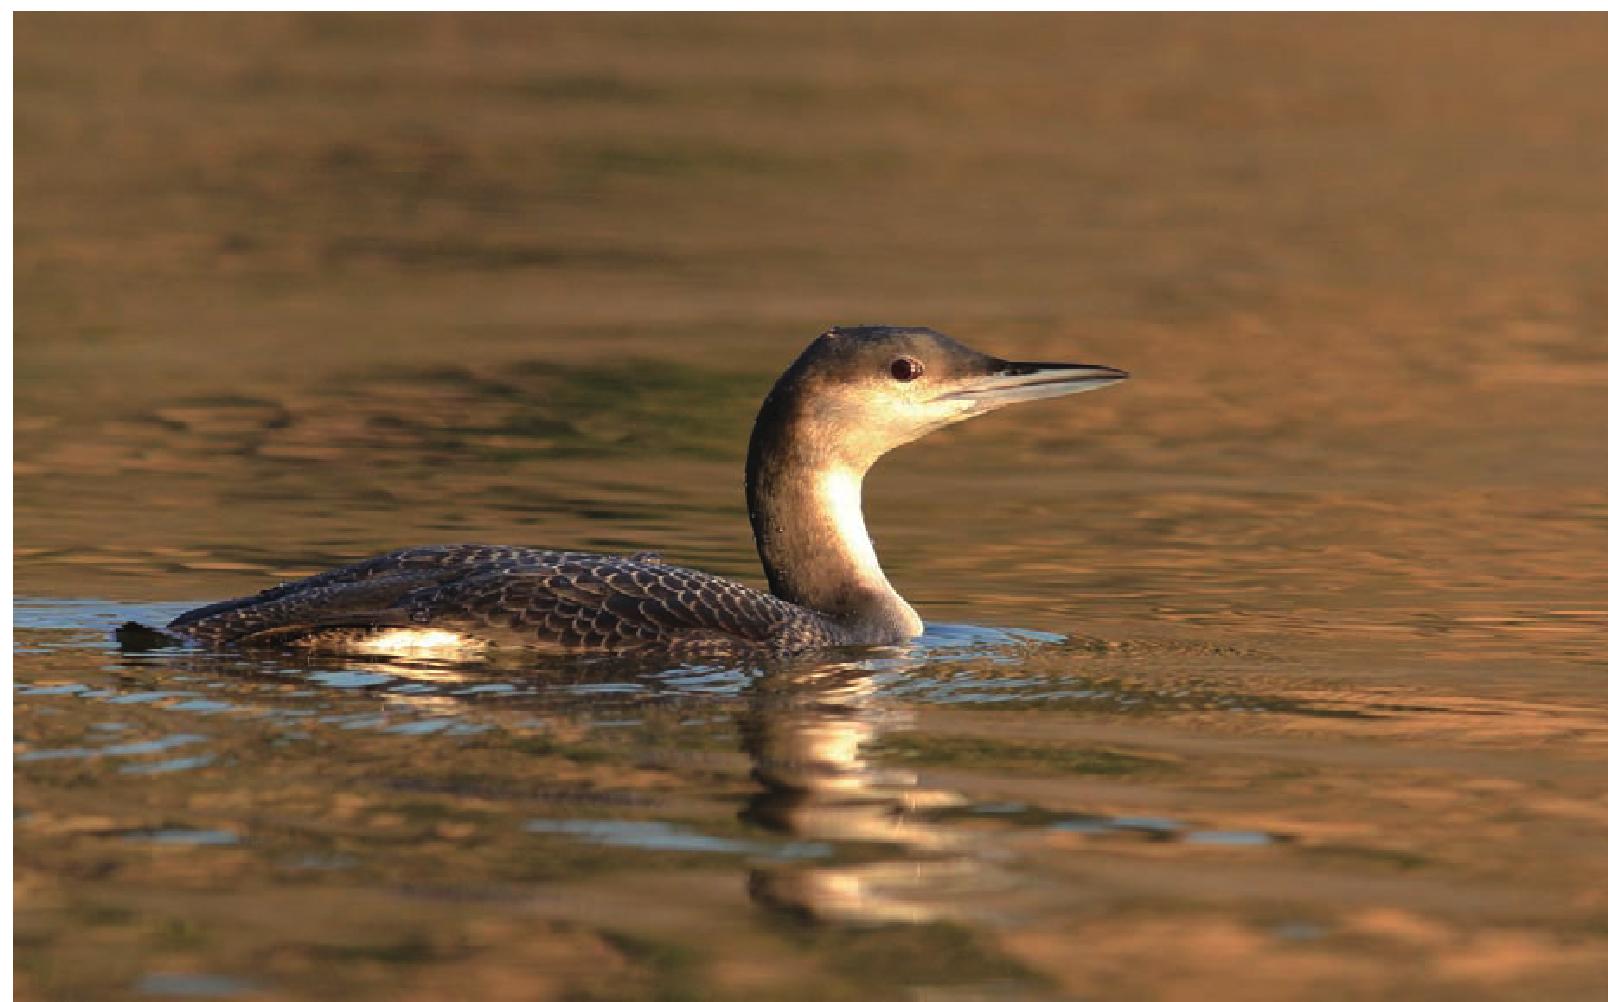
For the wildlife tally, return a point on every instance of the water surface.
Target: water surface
(1276, 672)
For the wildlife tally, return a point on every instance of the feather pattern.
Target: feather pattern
(518, 597)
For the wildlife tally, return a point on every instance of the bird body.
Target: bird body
(854, 394)
(472, 596)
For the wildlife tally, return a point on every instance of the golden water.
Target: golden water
(1276, 672)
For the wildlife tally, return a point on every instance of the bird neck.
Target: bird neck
(804, 506)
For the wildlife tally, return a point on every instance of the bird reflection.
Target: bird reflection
(808, 731)
(898, 851)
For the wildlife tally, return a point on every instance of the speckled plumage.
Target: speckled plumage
(517, 596)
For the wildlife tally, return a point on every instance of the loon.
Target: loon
(854, 394)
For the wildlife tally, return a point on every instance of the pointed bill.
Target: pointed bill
(1017, 382)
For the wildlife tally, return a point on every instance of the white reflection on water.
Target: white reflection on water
(809, 733)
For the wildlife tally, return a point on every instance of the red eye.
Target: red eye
(904, 369)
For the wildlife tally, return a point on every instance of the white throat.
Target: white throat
(837, 492)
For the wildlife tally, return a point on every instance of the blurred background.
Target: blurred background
(294, 289)
(274, 272)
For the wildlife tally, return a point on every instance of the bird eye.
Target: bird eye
(904, 369)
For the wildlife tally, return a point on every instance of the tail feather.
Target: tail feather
(132, 636)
